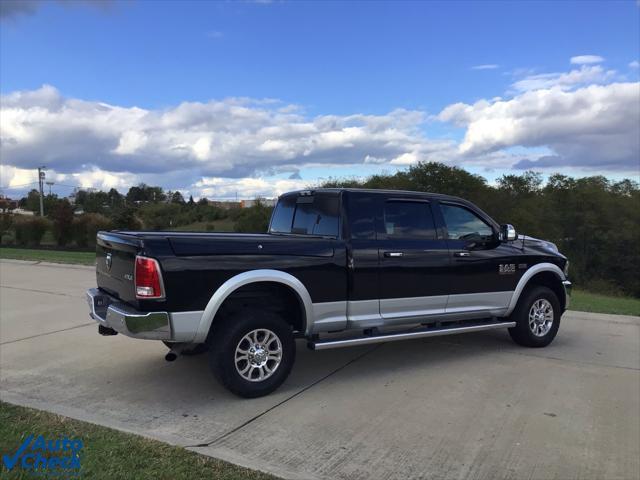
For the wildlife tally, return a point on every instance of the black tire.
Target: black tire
(523, 333)
(190, 349)
(227, 336)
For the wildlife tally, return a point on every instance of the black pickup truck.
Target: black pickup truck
(338, 267)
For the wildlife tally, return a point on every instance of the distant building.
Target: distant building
(224, 205)
(268, 202)
(22, 211)
(7, 205)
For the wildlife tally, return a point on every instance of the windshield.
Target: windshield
(317, 214)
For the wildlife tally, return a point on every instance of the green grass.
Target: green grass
(108, 453)
(597, 303)
(55, 256)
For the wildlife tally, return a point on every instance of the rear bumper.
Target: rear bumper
(567, 293)
(109, 312)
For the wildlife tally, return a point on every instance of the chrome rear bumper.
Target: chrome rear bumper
(109, 312)
(567, 290)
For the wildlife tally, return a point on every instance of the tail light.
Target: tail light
(148, 278)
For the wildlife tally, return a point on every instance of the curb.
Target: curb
(47, 264)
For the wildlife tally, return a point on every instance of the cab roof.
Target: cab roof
(377, 191)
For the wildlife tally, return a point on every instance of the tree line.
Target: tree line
(144, 207)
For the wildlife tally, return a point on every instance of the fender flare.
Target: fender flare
(537, 268)
(246, 278)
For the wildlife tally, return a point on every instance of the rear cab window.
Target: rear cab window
(409, 220)
(307, 213)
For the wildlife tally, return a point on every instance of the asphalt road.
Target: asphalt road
(468, 406)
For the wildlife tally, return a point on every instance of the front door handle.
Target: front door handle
(461, 254)
(393, 254)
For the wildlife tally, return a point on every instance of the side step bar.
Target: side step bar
(392, 337)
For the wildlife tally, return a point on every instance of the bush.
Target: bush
(126, 219)
(95, 223)
(160, 216)
(254, 219)
(30, 230)
(87, 226)
(63, 223)
(6, 224)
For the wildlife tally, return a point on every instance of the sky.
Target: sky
(252, 98)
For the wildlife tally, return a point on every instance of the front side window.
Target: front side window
(463, 224)
(410, 220)
(307, 215)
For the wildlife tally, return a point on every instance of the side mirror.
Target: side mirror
(508, 232)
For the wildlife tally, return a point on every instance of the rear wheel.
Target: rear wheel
(252, 353)
(537, 318)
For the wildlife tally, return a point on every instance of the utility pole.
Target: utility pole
(41, 176)
(50, 185)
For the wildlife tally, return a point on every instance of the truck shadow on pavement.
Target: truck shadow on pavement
(191, 375)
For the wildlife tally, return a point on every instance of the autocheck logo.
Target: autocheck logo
(47, 457)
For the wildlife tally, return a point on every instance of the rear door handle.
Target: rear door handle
(461, 254)
(393, 254)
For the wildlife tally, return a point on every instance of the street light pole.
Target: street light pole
(41, 176)
(50, 185)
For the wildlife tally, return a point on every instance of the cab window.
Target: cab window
(463, 224)
(307, 215)
(409, 220)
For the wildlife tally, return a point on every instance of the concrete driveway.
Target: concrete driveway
(469, 406)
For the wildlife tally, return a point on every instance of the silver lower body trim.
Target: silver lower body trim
(363, 313)
(399, 308)
(359, 314)
(473, 302)
(329, 316)
(392, 337)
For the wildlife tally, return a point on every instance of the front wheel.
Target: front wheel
(252, 353)
(537, 318)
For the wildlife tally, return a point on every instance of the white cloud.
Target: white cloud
(586, 75)
(594, 127)
(238, 143)
(214, 187)
(634, 64)
(486, 66)
(586, 59)
(23, 179)
(230, 138)
(234, 137)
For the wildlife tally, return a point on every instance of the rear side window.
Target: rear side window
(410, 220)
(307, 215)
(463, 224)
(283, 215)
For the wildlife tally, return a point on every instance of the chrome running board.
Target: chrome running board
(407, 335)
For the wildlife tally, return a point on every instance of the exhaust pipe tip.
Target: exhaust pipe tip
(170, 356)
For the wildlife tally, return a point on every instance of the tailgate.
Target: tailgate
(115, 264)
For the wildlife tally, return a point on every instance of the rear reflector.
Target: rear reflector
(148, 278)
